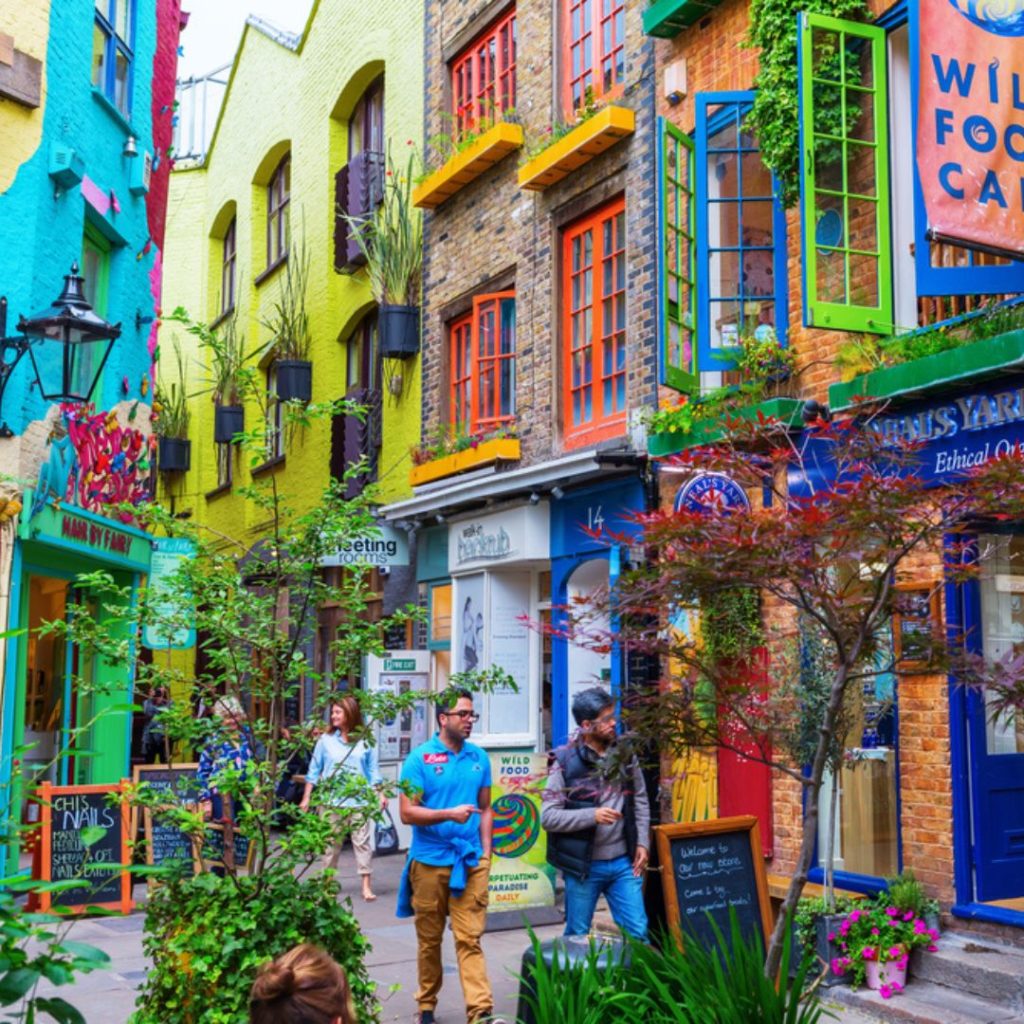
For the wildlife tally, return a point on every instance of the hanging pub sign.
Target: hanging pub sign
(970, 122)
(711, 494)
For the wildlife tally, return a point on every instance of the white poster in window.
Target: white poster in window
(508, 710)
(470, 627)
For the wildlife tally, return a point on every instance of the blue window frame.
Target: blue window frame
(741, 232)
(973, 273)
(113, 41)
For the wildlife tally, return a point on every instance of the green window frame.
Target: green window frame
(96, 256)
(844, 166)
(677, 257)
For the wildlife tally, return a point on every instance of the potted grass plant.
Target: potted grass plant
(290, 336)
(174, 449)
(226, 363)
(392, 243)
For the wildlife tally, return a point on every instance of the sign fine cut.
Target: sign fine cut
(970, 121)
(711, 494)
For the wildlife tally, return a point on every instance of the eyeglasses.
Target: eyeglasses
(605, 719)
(471, 715)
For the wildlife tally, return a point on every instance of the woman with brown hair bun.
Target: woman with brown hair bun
(304, 986)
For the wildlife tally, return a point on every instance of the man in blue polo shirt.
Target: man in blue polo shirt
(448, 804)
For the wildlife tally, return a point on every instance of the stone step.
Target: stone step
(975, 966)
(923, 1002)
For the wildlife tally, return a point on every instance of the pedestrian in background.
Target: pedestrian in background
(154, 738)
(304, 986)
(342, 755)
(231, 750)
(598, 820)
(449, 861)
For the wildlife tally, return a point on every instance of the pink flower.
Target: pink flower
(867, 953)
(831, 936)
(920, 928)
(908, 916)
(891, 911)
(875, 931)
(838, 967)
(854, 916)
(933, 933)
(933, 948)
(894, 952)
(887, 991)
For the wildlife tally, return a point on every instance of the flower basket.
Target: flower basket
(890, 974)
(228, 421)
(399, 331)
(174, 454)
(503, 449)
(294, 380)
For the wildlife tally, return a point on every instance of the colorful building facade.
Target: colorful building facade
(85, 123)
(933, 783)
(305, 130)
(538, 352)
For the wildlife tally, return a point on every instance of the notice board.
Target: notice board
(709, 868)
(100, 868)
(165, 842)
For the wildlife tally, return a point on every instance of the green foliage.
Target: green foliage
(864, 353)
(226, 348)
(558, 130)
(808, 912)
(288, 322)
(451, 142)
(905, 892)
(391, 240)
(731, 624)
(174, 416)
(774, 118)
(447, 440)
(725, 984)
(207, 936)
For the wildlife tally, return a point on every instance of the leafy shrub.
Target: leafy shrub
(207, 936)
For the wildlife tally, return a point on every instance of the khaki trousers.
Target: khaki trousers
(433, 903)
(362, 845)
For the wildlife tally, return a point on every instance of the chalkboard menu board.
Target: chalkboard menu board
(99, 867)
(710, 868)
(916, 626)
(165, 842)
(213, 849)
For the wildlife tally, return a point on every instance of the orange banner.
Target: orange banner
(970, 128)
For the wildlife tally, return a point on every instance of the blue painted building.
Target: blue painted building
(85, 130)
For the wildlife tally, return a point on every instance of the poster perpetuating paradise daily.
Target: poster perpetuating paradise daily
(970, 130)
(520, 874)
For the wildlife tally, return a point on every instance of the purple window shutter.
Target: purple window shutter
(338, 446)
(358, 183)
(341, 239)
(356, 437)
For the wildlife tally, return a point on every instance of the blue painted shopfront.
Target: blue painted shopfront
(591, 530)
(958, 430)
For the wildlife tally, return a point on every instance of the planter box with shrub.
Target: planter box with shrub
(174, 454)
(294, 380)
(228, 421)
(399, 331)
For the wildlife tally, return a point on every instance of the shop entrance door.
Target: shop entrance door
(995, 624)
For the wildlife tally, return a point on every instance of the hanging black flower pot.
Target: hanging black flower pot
(174, 454)
(228, 420)
(399, 330)
(294, 380)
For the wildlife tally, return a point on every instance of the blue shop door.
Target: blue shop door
(997, 744)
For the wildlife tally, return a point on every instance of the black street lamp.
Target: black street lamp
(68, 344)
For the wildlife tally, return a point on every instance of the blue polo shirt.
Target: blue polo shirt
(446, 779)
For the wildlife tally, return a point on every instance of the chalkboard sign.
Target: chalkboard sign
(99, 867)
(708, 868)
(164, 841)
(212, 852)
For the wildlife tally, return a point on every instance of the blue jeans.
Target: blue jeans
(613, 879)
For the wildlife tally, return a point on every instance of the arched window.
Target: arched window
(359, 185)
(229, 261)
(278, 198)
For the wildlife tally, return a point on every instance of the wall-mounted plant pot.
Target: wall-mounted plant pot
(399, 331)
(174, 454)
(294, 380)
(228, 420)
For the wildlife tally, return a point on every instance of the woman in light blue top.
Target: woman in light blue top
(347, 763)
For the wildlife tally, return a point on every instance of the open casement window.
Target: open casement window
(677, 291)
(112, 41)
(484, 78)
(359, 185)
(741, 232)
(593, 51)
(844, 163)
(594, 326)
(483, 364)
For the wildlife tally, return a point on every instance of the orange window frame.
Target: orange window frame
(594, 352)
(483, 77)
(480, 367)
(593, 51)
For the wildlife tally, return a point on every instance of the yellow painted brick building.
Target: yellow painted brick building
(291, 105)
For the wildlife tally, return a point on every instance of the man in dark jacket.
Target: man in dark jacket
(598, 821)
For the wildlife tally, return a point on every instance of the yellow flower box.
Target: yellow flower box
(582, 144)
(499, 449)
(494, 145)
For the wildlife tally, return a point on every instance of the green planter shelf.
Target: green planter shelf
(667, 18)
(944, 369)
(786, 410)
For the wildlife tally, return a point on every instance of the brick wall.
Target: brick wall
(494, 232)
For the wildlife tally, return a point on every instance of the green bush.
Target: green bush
(207, 936)
(723, 984)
